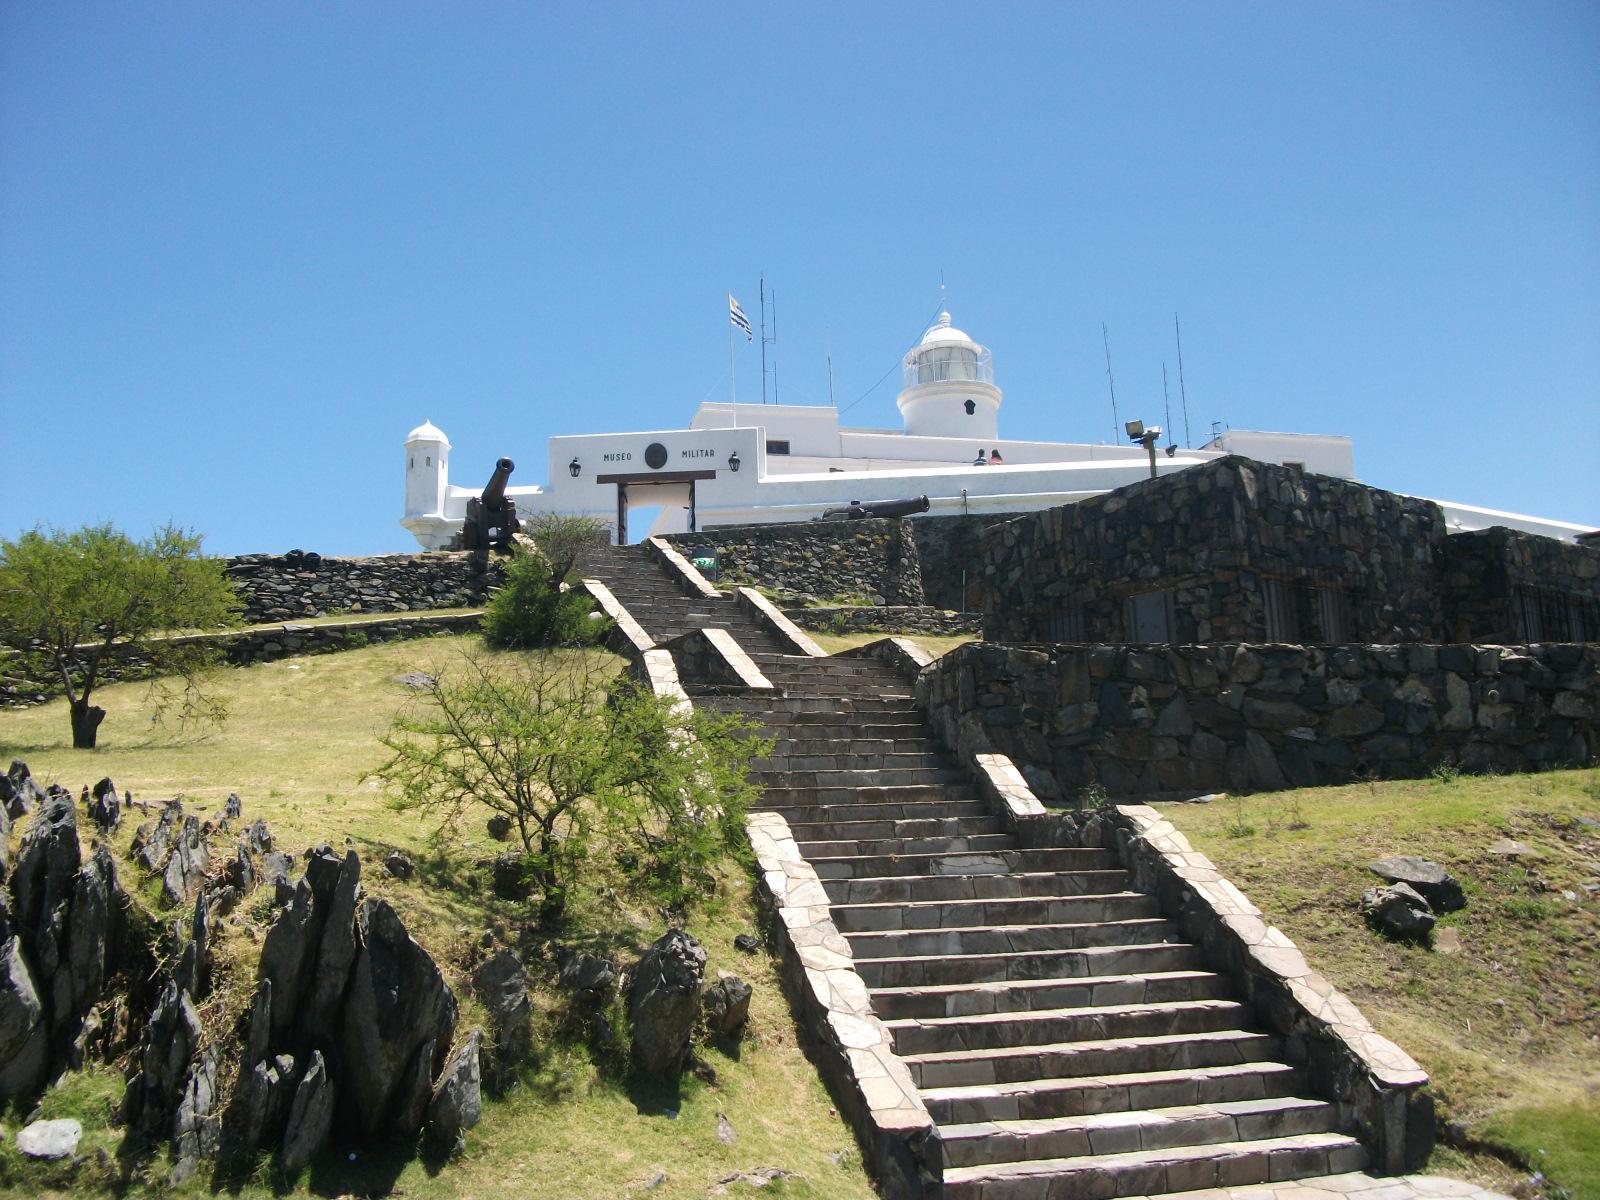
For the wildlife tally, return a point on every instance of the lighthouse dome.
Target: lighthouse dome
(949, 386)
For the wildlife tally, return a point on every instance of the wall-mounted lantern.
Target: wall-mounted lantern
(574, 467)
(733, 461)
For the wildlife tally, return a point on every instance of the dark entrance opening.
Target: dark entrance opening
(651, 479)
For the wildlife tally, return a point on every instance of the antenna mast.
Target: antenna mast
(763, 337)
(1182, 391)
(775, 345)
(1116, 425)
(1166, 399)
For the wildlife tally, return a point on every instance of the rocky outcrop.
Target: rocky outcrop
(310, 1116)
(726, 1005)
(1437, 886)
(457, 1101)
(62, 926)
(1397, 910)
(664, 1001)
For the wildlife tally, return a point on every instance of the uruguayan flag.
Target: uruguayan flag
(736, 315)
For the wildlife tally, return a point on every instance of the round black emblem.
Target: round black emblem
(655, 456)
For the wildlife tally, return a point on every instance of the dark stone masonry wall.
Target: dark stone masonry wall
(1192, 719)
(243, 647)
(1501, 585)
(274, 590)
(875, 559)
(951, 550)
(1225, 541)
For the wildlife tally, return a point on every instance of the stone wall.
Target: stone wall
(1501, 585)
(1234, 550)
(1185, 720)
(951, 550)
(891, 618)
(245, 646)
(274, 590)
(875, 559)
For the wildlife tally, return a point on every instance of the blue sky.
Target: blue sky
(245, 248)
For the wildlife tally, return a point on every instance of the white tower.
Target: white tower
(427, 478)
(949, 387)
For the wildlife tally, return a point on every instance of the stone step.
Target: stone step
(1021, 995)
(857, 832)
(843, 800)
(818, 816)
(890, 760)
(899, 848)
(1052, 1026)
(921, 970)
(1019, 910)
(1125, 1132)
(858, 741)
(1042, 1099)
(1080, 1060)
(796, 710)
(980, 862)
(1151, 1172)
(901, 889)
(1009, 939)
(868, 779)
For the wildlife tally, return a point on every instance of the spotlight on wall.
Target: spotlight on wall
(1135, 430)
(574, 467)
(1146, 438)
(733, 461)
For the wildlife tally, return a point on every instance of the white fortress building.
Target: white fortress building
(741, 464)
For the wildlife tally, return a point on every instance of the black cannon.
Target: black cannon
(877, 508)
(492, 517)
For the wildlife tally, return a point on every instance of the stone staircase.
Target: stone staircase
(1063, 1036)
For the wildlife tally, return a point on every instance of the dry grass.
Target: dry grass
(1509, 1027)
(937, 645)
(301, 734)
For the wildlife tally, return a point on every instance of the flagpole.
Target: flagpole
(733, 387)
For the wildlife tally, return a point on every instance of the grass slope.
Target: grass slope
(1509, 1026)
(302, 732)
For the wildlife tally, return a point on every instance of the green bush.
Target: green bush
(530, 610)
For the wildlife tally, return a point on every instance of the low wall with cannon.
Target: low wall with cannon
(278, 588)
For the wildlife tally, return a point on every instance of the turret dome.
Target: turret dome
(427, 432)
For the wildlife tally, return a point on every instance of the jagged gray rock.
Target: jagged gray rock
(1398, 910)
(233, 806)
(1441, 890)
(240, 871)
(259, 1038)
(196, 1128)
(258, 837)
(589, 975)
(502, 985)
(92, 933)
(663, 1002)
(24, 1040)
(186, 865)
(287, 954)
(21, 793)
(397, 1003)
(726, 1005)
(268, 1090)
(310, 1117)
(399, 865)
(170, 1040)
(153, 843)
(458, 1100)
(194, 966)
(337, 950)
(42, 886)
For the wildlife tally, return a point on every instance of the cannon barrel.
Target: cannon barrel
(878, 508)
(494, 493)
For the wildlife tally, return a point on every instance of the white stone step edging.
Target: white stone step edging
(1324, 1032)
(851, 1047)
(637, 639)
(776, 623)
(713, 655)
(681, 569)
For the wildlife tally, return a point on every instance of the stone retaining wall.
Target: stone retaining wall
(245, 646)
(891, 618)
(1184, 720)
(875, 559)
(274, 590)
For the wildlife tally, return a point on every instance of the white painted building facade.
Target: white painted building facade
(738, 464)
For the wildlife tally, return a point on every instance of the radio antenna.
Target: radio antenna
(1182, 391)
(1166, 400)
(1116, 425)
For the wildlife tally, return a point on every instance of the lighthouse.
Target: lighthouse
(949, 387)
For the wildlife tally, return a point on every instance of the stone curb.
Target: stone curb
(682, 570)
(901, 653)
(778, 624)
(712, 655)
(854, 1051)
